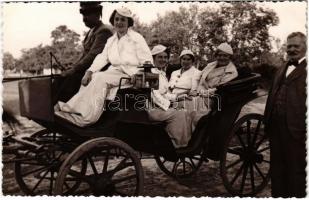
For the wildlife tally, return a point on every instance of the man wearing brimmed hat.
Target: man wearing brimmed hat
(93, 44)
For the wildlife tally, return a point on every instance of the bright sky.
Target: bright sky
(27, 25)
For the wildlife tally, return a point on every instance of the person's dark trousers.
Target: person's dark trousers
(65, 88)
(287, 160)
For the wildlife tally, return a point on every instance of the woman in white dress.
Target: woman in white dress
(178, 123)
(125, 50)
(184, 82)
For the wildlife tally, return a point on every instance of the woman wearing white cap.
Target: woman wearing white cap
(125, 50)
(178, 123)
(220, 71)
(184, 82)
(214, 74)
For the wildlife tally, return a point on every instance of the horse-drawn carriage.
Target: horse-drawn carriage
(104, 158)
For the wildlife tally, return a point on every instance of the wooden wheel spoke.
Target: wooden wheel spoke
(244, 177)
(260, 142)
(241, 141)
(193, 164)
(264, 149)
(75, 176)
(237, 174)
(51, 182)
(116, 181)
(38, 183)
(122, 165)
(66, 185)
(31, 163)
(174, 167)
(234, 151)
(234, 163)
(104, 170)
(248, 132)
(93, 167)
(259, 171)
(184, 166)
(256, 132)
(252, 177)
(35, 170)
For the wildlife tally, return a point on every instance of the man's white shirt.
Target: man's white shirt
(292, 67)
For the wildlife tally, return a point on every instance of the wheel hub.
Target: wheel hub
(251, 156)
(103, 185)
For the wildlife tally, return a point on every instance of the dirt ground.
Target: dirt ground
(206, 182)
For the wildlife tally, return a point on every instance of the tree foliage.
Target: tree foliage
(65, 46)
(8, 61)
(244, 25)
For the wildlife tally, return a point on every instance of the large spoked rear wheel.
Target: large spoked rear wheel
(113, 169)
(36, 170)
(245, 162)
(184, 167)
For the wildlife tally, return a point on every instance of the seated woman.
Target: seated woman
(184, 81)
(214, 74)
(125, 50)
(178, 122)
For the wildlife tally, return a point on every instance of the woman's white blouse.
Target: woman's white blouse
(127, 53)
(186, 81)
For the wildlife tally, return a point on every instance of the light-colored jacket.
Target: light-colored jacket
(210, 80)
(183, 83)
(127, 53)
(162, 96)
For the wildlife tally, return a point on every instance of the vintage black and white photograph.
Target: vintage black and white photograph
(158, 99)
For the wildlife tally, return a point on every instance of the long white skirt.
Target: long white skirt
(86, 107)
(178, 124)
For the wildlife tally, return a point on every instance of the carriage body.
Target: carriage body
(124, 127)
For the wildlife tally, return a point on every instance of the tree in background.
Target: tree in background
(177, 30)
(65, 46)
(8, 61)
(242, 24)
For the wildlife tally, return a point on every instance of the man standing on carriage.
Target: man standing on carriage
(285, 121)
(93, 44)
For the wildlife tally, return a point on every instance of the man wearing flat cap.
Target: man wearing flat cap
(93, 44)
(285, 122)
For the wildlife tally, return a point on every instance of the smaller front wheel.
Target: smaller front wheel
(113, 169)
(184, 167)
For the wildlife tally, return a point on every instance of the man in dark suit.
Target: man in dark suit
(285, 122)
(93, 44)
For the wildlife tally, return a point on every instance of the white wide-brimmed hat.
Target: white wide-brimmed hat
(226, 48)
(158, 49)
(186, 52)
(123, 11)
